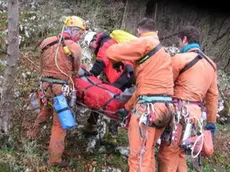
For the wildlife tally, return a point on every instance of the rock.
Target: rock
(123, 151)
(172, 50)
(67, 11)
(1, 80)
(28, 170)
(110, 169)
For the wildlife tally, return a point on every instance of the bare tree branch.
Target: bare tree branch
(221, 36)
(220, 27)
(221, 53)
(124, 15)
(155, 14)
(170, 36)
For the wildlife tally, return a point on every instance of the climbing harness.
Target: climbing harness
(148, 119)
(192, 137)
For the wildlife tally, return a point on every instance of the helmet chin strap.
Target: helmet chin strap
(70, 33)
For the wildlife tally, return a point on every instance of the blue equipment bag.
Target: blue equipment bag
(65, 115)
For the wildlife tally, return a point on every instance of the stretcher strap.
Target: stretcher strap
(86, 88)
(109, 101)
(64, 109)
(98, 85)
(93, 110)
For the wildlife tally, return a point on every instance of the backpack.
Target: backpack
(121, 36)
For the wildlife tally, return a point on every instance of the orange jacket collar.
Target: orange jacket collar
(149, 34)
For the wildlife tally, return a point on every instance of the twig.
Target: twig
(3, 52)
(221, 36)
(222, 52)
(124, 14)
(155, 14)
(3, 38)
(167, 37)
(35, 65)
(222, 23)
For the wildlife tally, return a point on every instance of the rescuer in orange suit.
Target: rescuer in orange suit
(54, 74)
(194, 85)
(151, 102)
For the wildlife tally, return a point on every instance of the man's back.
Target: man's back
(194, 83)
(51, 67)
(198, 84)
(154, 76)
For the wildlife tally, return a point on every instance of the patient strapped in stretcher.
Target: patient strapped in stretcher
(100, 96)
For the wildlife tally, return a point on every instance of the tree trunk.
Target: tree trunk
(7, 97)
(133, 12)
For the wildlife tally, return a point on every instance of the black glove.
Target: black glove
(98, 67)
(88, 73)
(122, 113)
(117, 66)
(211, 127)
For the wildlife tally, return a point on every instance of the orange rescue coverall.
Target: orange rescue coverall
(197, 83)
(49, 69)
(153, 77)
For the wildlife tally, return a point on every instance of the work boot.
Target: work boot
(62, 164)
(113, 128)
(90, 129)
(33, 132)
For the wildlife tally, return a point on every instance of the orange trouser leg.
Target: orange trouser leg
(41, 118)
(171, 157)
(43, 115)
(57, 145)
(135, 146)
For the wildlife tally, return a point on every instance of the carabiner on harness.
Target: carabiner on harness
(143, 119)
(185, 111)
(176, 120)
(65, 90)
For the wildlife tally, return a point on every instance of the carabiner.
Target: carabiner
(65, 90)
(185, 111)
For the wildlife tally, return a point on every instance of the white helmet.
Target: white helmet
(89, 37)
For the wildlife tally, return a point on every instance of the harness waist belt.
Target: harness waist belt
(148, 99)
(186, 101)
(54, 80)
(180, 102)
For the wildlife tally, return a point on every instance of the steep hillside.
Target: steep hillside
(40, 18)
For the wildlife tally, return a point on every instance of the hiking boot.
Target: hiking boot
(33, 132)
(113, 128)
(90, 129)
(62, 164)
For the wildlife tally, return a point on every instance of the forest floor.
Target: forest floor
(24, 155)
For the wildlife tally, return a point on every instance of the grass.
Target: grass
(24, 154)
(3, 21)
(30, 156)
